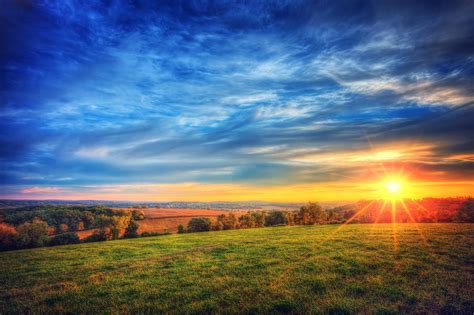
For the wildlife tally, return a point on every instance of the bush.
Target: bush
(32, 234)
(199, 225)
(64, 239)
(181, 229)
(131, 230)
(276, 218)
(7, 235)
(97, 236)
(148, 234)
(138, 215)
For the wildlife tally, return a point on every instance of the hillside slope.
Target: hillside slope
(359, 268)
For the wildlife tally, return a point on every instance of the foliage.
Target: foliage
(181, 229)
(465, 212)
(312, 213)
(199, 225)
(148, 234)
(7, 236)
(131, 230)
(32, 234)
(64, 239)
(276, 218)
(138, 215)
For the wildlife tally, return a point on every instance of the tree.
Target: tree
(247, 221)
(259, 218)
(229, 222)
(276, 218)
(112, 227)
(312, 213)
(138, 215)
(80, 226)
(181, 229)
(199, 225)
(32, 234)
(64, 239)
(7, 236)
(290, 218)
(63, 228)
(131, 230)
(465, 212)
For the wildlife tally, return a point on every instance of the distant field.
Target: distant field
(303, 269)
(168, 219)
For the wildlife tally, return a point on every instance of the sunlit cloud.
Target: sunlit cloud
(259, 95)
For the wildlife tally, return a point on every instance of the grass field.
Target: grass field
(304, 269)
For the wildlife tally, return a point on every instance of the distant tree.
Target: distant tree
(80, 226)
(7, 236)
(230, 222)
(32, 234)
(132, 229)
(276, 218)
(181, 229)
(51, 230)
(63, 228)
(111, 227)
(64, 239)
(259, 218)
(219, 225)
(138, 215)
(312, 213)
(247, 221)
(465, 212)
(290, 218)
(199, 225)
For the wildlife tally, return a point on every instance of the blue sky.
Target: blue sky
(116, 95)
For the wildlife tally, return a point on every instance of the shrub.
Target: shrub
(97, 236)
(148, 234)
(312, 213)
(199, 225)
(32, 234)
(64, 239)
(181, 229)
(131, 230)
(138, 215)
(276, 218)
(7, 235)
(63, 228)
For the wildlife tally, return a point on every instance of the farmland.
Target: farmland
(378, 268)
(168, 219)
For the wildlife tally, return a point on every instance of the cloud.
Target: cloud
(223, 93)
(40, 190)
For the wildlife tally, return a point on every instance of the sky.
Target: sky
(225, 100)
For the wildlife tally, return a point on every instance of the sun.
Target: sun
(393, 187)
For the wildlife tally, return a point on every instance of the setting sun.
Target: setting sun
(393, 187)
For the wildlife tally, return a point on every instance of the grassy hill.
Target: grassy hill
(359, 268)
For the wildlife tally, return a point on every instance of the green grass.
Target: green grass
(304, 269)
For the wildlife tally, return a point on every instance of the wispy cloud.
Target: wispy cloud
(232, 93)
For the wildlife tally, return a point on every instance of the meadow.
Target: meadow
(334, 269)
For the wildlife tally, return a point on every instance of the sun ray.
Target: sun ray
(381, 211)
(410, 216)
(394, 229)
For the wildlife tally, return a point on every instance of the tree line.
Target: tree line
(310, 214)
(379, 211)
(36, 226)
